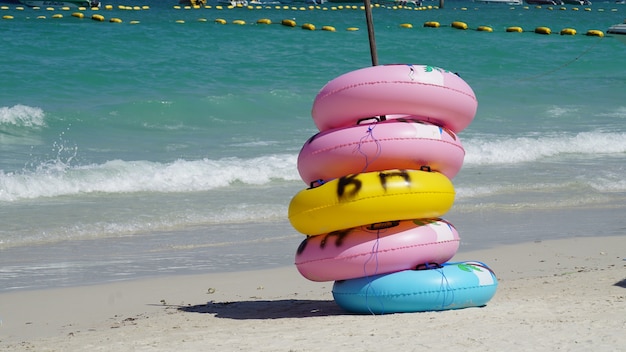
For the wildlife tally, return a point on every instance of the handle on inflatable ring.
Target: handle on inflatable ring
(316, 183)
(383, 225)
(375, 118)
(428, 266)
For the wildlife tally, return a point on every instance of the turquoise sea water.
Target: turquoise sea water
(132, 150)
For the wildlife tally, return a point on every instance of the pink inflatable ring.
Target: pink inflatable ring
(425, 92)
(376, 249)
(401, 143)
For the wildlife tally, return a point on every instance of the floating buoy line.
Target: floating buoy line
(457, 25)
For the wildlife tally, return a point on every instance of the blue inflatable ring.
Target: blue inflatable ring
(449, 286)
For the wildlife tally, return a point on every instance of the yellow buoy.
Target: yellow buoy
(97, 17)
(431, 24)
(543, 30)
(7, 17)
(329, 28)
(406, 25)
(239, 22)
(459, 25)
(595, 33)
(568, 31)
(115, 20)
(78, 15)
(134, 22)
(264, 21)
(57, 15)
(308, 26)
(514, 29)
(484, 29)
(220, 21)
(179, 21)
(288, 23)
(352, 29)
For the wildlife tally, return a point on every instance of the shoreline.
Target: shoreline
(253, 246)
(563, 293)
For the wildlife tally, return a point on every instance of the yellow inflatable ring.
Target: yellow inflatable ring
(371, 197)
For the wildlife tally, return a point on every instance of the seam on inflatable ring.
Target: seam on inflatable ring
(381, 251)
(344, 145)
(371, 197)
(392, 82)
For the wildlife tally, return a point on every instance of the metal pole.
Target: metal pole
(370, 31)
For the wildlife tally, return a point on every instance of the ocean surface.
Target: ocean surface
(169, 146)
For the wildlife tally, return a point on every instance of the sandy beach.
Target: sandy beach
(565, 295)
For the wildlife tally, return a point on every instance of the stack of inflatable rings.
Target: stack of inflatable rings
(379, 176)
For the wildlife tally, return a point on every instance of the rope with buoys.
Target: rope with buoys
(565, 64)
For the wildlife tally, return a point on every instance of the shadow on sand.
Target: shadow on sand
(621, 284)
(278, 309)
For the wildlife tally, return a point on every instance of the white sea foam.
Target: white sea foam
(22, 115)
(482, 151)
(118, 176)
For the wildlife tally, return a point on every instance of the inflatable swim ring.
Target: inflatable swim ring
(376, 249)
(450, 286)
(371, 197)
(427, 93)
(401, 144)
